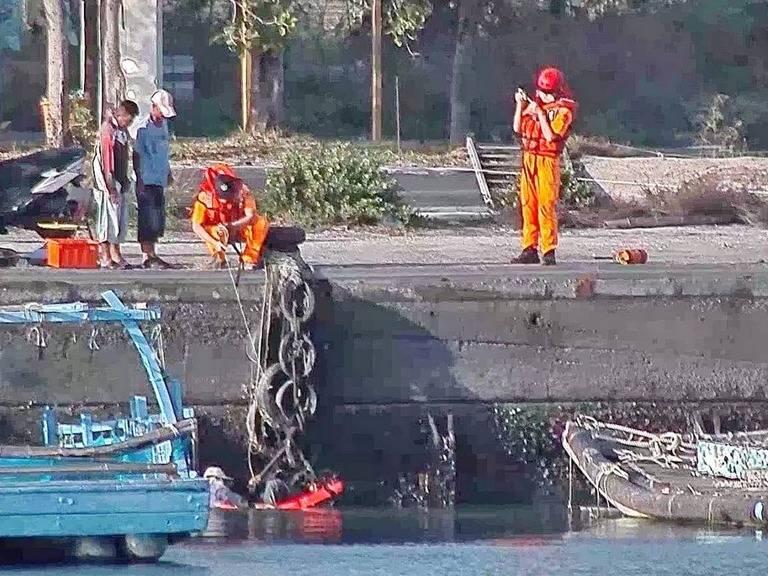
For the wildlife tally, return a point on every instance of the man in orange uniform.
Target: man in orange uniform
(544, 124)
(225, 212)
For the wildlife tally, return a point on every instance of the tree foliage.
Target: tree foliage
(402, 19)
(262, 24)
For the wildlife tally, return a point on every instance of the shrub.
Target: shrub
(82, 124)
(710, 195)
(719, 124)
(333, 185)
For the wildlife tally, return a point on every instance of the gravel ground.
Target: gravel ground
(705, 244)
(652, 172)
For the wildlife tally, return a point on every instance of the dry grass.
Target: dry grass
(710, 195)
(579, 146)
(268, 147)
(716, 197)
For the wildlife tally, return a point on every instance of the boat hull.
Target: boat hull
(680, 497)
(103, 508)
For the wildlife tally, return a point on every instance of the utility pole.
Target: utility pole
(56, 108)
(376, 71)
(112, 78)
(81, 21)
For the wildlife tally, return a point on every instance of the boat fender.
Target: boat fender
(94, 548)
(144, 547)
(758, 511)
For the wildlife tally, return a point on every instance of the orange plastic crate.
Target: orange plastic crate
(72, 253)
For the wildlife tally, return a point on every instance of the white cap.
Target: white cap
(215, 472)
(164, 101)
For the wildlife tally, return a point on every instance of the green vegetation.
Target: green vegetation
(82, 124)
(270, 146)
(333, 185)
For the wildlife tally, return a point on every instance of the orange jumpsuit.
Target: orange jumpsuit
(210, 211)
(540, 180)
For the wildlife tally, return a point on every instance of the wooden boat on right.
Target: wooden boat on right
(695, 477)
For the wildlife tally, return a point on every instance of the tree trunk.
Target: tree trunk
(276, 88)
(113, 80)
(376, 94)
(245, 89)
(257, 120)
(92, 59)
(57, 113)
(462, 61)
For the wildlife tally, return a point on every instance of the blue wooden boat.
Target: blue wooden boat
(118, 489)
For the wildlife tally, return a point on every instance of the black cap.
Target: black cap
(226, 185)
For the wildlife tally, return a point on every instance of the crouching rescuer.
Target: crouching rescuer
(225, 213)
(544, 124)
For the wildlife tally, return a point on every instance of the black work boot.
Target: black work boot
(528, 256)
(549, 258)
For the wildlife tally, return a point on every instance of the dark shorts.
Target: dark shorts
(151, 204)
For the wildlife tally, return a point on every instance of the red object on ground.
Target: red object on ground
(324, 492)
(72, 253)
(632, 256)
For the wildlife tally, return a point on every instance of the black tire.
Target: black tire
(285, 238)
(8, 258)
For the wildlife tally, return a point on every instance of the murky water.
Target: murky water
(473, 541)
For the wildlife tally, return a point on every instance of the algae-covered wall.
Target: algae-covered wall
(643, 346)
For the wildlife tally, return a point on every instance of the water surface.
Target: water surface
(471, 541)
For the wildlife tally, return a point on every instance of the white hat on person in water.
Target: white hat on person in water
(164, 102)
(215, 472)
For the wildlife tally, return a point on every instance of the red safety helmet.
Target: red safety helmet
(552, 81)
(209, 182)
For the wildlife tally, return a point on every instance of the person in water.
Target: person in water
(222, 496)
(274, 490)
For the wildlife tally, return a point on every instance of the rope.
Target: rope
(239, 300)
(570, 486)
(156, 338)
(93, 344)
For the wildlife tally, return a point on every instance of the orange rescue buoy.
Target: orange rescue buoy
(632, 256)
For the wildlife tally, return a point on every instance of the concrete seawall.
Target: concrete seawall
(646, 344)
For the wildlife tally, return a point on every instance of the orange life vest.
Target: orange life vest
(530, 130)
(218, 211)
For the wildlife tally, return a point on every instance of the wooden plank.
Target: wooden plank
(149, 360)
(502, 166)
(164, 434)
(115, 502)
(103, 486)
(506, 147)
(81, 468)
(489, 156)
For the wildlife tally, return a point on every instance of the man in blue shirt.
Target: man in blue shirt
(152, 164)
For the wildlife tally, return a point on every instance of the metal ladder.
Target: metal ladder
(491, 162)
